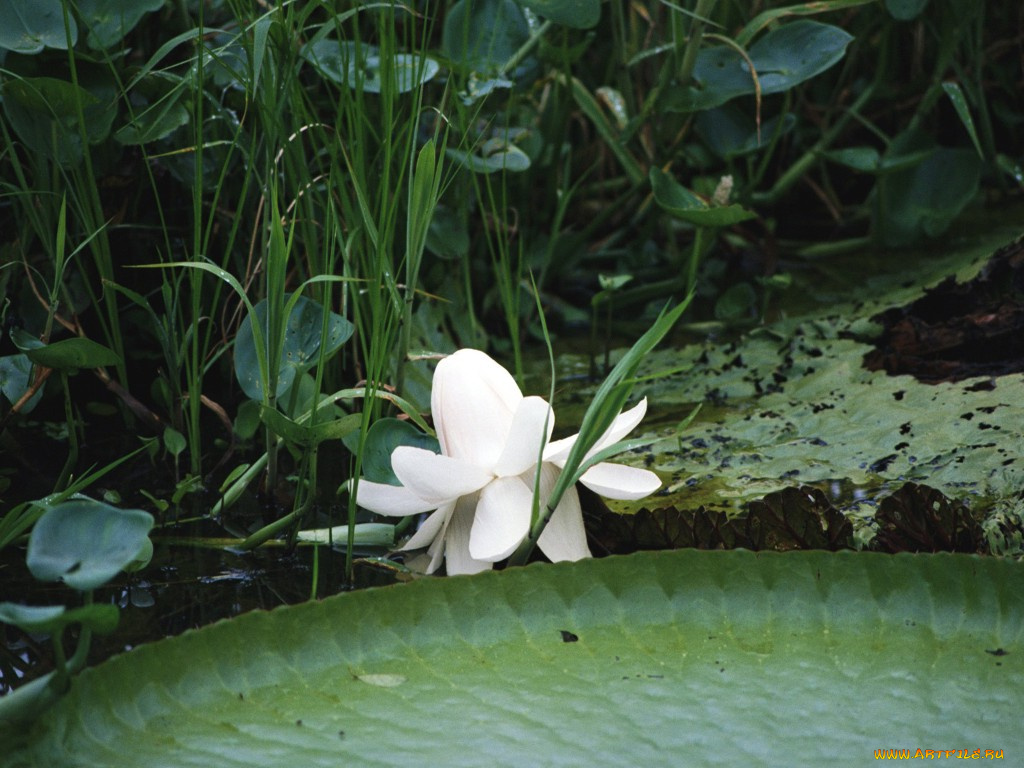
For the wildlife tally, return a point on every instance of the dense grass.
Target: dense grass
(415, 171)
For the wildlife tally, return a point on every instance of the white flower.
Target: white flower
(481, 484)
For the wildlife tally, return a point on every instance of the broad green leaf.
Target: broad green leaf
(15, 378)
(28, 26)
(869, 160)
(84, 543)
(724, 657)
(578, 14)
(481, 36)
(783, 58)
(362, 66)
(44, 112)
(300, 350)
(108, 21)
(684, 204)
(905, 10)
(67, 354)
(382, 438)
(99, 617)
(863, 159)
(731, 132)
(448, 234)
(493, 155)
(795, 52)
(791, 403)
(923, 200)
(306, 435)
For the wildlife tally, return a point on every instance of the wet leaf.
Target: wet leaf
(101, 618)
(67, 354)
(15, 378)
(481, 36)
(28, 26)
(300, 350)
(680, 202)
(364, 68)
(85, 543)
(790, 519)
(382, 438)
(578, 14)
(921, 519)
(783, 58)
(109, 21)
(661, 639)
(905, 10)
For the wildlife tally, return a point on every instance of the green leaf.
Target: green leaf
(905, 10)
(305, 435)
(48, 619)
(68, 354)
(718, 656)
(15, 378)
(493, 155)
(109, 21)
(84, 543)
(795, 52)
(577, 14)
(956, 96)
(160, 110)
(362, 66)
(783, 58)
(731, 132)
(28, 26)
(923, 200)
(174, 441)
(481, 36)
(300, 350)
(44, 113)
(684, 204)
(382, 438)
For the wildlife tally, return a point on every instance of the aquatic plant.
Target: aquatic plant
(495, 457)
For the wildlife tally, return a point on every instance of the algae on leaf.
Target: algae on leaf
(792, 403)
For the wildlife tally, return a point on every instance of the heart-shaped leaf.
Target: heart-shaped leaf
(684, 204)
(28, 26)
(110, 20)
(578, 14)
(68, 354)
(300, 349)
(84, 543)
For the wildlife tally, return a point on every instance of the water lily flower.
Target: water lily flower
(480, 487)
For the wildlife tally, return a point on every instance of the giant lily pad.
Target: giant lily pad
(793, 403)
(728, 658)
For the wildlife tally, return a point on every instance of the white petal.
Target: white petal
(456, 542)
(558, 451)
(530, 430)
(617, 481)
(621, 426)
(564, 537)
(502, 519)
(472, 401)
(429, 529)
(436, 478)
(387, 499)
